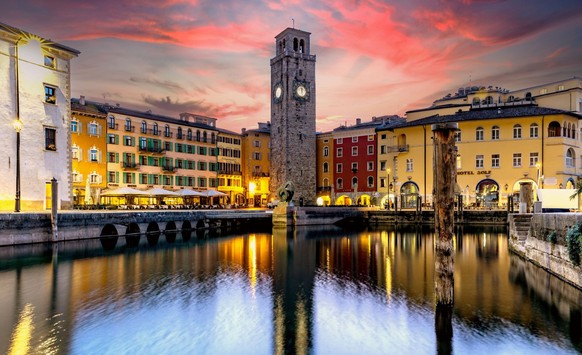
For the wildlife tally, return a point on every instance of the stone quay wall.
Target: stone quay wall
(531, 242)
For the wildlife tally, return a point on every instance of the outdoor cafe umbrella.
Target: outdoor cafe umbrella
(158, 192)
(188, 193)
(213, 193)
(124, 192)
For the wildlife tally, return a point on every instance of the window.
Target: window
(111, 139)
(517, 131)
(382, 149)
(49, 61)
(354, 151)
(354, 167)
(340, 152)
(495, 133)
(325, 151)
(570, 158)
(355, 139)
(354, 182)
(93, 155)
(533, 159)
(144, 127)
(554, 129)
(383, 136)
(156, 130)
(93, 131)
(189, 134)
(50, 94)
(127, 141)
(142, 143)
(198, 135)
(371, 138)
(128, 126)
(111, 157)
(50, 138)
(74, 126)
(458, 136)
(75, 152)
(111, 122)
(340, 141)
(409, 164)
(370, 166)
(495, 160)
(383, 165)
(533, 130)
(325, 167)
(167, 131)
(479, 162)
(479, 134)
(94, 178)
(340, 183)
(370, 150)
(339, 168)
(516, 160)
(256, 156)
(257, 144)
(111, 177)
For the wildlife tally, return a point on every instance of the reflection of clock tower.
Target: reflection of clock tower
(293, 115)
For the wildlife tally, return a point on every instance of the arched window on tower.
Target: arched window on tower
(554, 129)
(302, 46)
(295, 44)
(325, 167)
(488, 100)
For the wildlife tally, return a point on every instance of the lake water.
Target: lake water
(312, 290)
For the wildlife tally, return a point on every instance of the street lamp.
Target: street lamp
(538, 166)
(388, 188)
(17, 128)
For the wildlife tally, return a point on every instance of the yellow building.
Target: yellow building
(256, 164)
(88, 151)
(498, 148)
(324, 172)
(229, 147)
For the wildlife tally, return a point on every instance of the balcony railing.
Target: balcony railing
(158, 150)
(324, 189)
(113, 126)
(129, 128)
(129, 165)
(168, 168)
(398, 148)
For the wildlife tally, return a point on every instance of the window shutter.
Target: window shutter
(117, 177)
(133, 141)
(100, 158)
(79, 127)
(133, 178)
(99, 130)
(117, 139)
(80, 154)
(117, 157)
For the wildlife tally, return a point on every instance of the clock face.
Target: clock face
(278, 92)
(301, 91)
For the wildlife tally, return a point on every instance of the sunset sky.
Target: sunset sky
(374, 57)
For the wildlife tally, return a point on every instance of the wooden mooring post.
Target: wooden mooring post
(444, 167)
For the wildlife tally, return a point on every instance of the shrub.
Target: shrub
(552, 237)
(574, 243)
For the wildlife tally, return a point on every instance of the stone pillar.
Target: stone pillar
(525, 197)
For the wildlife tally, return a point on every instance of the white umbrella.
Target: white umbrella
(188, 192)
(213, 193)
(88, 192)
(157, 191)
(124, 191)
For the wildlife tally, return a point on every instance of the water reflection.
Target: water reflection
(324, 290)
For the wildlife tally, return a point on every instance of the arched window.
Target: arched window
(570, 158)
(302, 46)
(180, 133)
(128, 126)
(370, 181)
(528, 96)
(189, 134)
(325, 151)
(156, 131)
(325, 182)
(340, 183)
(495, 133)
(295, 44)
(476, 101)
(204, 136)
(574, 131)
(325, 167)
(144, 127)
(511, 98)
(554, 129)
(354, 182)
(488, 100)
(479, 135)
(167, 130)
(198, 135)
(517, 131)
(212, 138)
(569, 130)
(533, 130)
(402, 143)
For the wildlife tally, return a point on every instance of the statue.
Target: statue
(285, 193)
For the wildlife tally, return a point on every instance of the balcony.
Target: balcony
(170, 135)
(114, 126)
(129, 128)
(129, 165)
(154, 150)
(229, 172)
(398, 148)
(168, 169)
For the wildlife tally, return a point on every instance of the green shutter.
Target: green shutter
(117, 177)
(117, 139)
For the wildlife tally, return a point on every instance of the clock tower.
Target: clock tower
(293, 115)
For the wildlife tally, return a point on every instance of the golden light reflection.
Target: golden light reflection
(327, 260)
(20, 339)
(388, 272)
(301, 346)
(279, 326)
(253, 262)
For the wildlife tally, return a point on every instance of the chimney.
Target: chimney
(82, 100)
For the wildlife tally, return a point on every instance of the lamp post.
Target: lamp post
(388, 188)
(17, 128)
(538, 166)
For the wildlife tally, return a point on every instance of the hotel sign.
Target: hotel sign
(471, 172)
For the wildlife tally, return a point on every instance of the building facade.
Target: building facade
(256, 163)
(88, 151)
(324, 163)
(293, 97)
(230, 182)
(35, 93)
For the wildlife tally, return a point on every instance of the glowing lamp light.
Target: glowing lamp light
(252, 188)
(319, 201)
(17, 125)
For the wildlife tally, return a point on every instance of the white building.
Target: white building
(35, 91)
